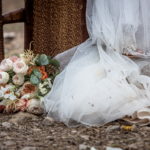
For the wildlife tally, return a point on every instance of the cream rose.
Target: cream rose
(35, 106)
(6, 65)
(4, 77)
(20, 67)
(18, 79)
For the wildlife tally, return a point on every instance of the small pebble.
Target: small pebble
(36, 129)
(6, 124)
(113, 148)
(111, 128)
(85, 137)
(48, 121)
(9, 143)
(73, 131)
(83, 147)
(2, 134)
(29, 148)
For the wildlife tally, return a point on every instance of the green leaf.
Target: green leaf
(34, 80)
(37, 73)
(49, 57)
(43, 59)
(54, 62)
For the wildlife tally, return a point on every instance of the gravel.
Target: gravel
(41, 133)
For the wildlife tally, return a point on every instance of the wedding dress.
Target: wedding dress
(98, 84)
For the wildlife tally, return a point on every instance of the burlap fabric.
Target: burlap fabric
(58, 25)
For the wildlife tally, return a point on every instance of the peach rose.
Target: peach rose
(28, 88)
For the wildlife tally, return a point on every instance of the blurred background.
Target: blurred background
(13, 33)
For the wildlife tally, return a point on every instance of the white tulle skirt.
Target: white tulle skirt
(97, 83)
(99, 87)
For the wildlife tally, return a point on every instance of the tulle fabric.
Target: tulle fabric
(97, 83)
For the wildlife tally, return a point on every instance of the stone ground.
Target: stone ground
(24, 131)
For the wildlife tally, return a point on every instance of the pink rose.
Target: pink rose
(18, 79)
(20, 67)
(14, 58)
(6, 65)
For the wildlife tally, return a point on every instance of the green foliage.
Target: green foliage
(54, 62)
(37, 73)
(34, 79)
(11, 74)
(42, 60)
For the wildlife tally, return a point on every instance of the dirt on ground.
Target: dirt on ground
(24, 131)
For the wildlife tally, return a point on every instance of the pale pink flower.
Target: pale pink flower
(6, 65)
(18, 79)
(20, 67)
(14, 58)
(4, 77)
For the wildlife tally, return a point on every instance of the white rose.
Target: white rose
(4, 77)
(10, 87)
(3, 89)
(10, 96)
(20, 67)
(18, 79)
(35, 107)
(6, 65)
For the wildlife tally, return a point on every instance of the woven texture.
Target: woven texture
(58, 25)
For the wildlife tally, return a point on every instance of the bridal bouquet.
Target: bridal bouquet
(25, 80)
